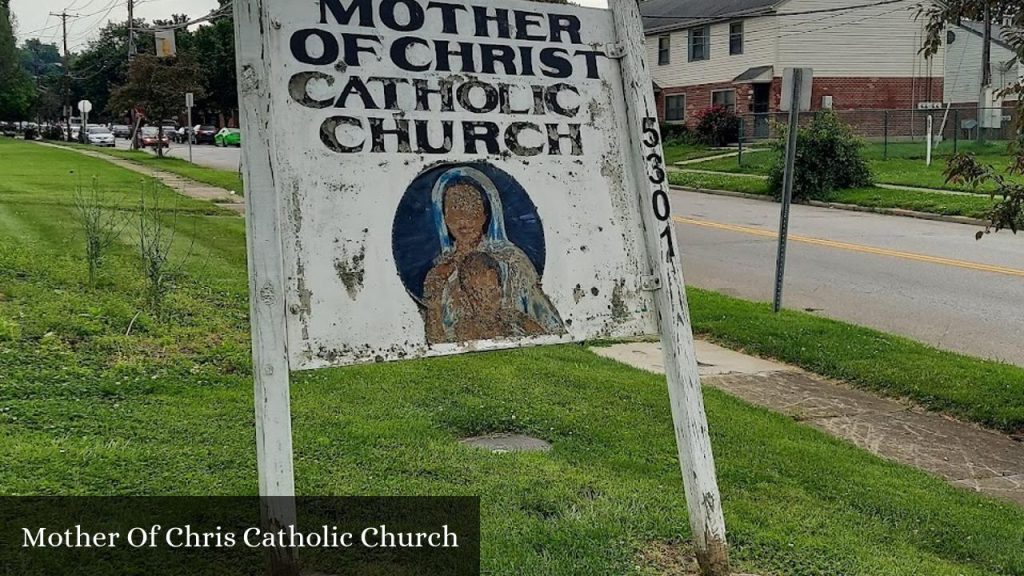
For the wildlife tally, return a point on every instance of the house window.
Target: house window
(700, 43)
(664, 44)
(736, 38)
(725, 98)
(675, 108)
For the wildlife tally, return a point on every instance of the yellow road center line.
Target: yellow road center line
(854, 247)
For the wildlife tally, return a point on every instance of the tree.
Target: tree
(40, 59)
(17, 91)
(156, 85)
(964, 168)
(43, 63)
(214, 45)
(100, 66)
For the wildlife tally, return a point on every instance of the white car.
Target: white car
(100, 136)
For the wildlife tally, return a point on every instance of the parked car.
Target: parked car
(121, 131)
(99, 136)
(204, 134)
(170, 132)
(152, 137)
(228, 137)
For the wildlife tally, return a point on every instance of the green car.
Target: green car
(228, 137)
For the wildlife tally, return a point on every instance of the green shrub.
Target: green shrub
(828, 158)
(678, 134)
(717, 126)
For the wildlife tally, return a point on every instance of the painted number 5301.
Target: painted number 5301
(656, 173)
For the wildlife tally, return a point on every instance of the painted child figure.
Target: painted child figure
(480, 290)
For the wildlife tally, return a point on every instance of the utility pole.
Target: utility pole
(131, 55)
(67, 71)
(986, 70)
(131, 30)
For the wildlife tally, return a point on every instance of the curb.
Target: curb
(848, 207)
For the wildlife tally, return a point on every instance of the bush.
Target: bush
(678, 134)
(827, 159)
(718, 126)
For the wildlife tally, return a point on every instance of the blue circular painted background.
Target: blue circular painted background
(415, 241)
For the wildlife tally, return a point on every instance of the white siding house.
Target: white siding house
(863, 57)
(963, 64)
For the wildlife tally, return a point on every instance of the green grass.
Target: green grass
(35, 174)
(167, 409)
(719, 182)
(905, 165)
(675, 152)
(983, 391)
(972, 206)
(226, 179)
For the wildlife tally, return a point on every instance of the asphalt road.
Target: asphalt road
(202, 154)
(930, 281)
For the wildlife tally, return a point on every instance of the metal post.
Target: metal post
(956, 131)
(885, 147)
(704, 504)
(928, 152)
(787, 186)
(188, 126)
(270, 365)
(739, 154)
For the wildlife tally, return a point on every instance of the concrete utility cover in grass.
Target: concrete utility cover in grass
(502, 443)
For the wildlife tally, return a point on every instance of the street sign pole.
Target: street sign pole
(189, 102)
(266, 283)
(84, 106)
(787, 180)
(707, 523)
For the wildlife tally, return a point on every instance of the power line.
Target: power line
(799, 13)
(218, 13)
(67, 73)
(797, 29)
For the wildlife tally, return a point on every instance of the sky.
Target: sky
(34, 20)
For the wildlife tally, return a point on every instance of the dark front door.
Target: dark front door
(760, 107)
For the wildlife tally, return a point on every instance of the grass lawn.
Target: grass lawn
(226, 179)
(679, 152)
(35, 174)
(983, 391)
(719, 182)
(167, 409)
(905, 165)
(973, 206)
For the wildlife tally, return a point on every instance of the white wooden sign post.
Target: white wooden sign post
(707, 524)
(431, 178)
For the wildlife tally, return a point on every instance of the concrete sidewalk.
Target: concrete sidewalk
(219, 196)
(963, 454)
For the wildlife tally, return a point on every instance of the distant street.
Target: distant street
(930, 281)
(204, 154)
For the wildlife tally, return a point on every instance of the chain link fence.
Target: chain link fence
(950, 125)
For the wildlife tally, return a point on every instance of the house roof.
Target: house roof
(755, 74)
(665, 15)
(998, 33)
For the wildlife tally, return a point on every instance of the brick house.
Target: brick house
(733, 52)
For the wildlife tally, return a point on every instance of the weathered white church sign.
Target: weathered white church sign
(437, 177)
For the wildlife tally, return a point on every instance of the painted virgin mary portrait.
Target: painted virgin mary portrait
(481, 286)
